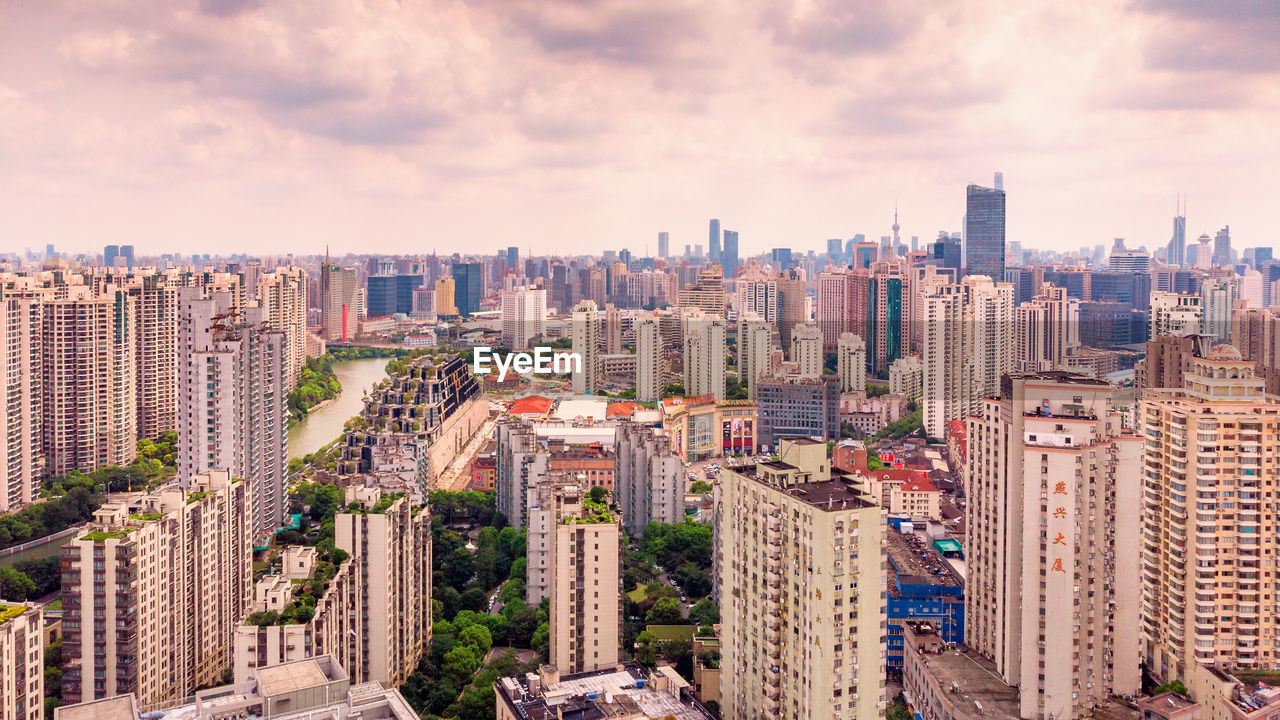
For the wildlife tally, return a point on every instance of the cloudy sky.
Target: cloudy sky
(571, 126)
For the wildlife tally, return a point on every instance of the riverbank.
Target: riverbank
(324, 422)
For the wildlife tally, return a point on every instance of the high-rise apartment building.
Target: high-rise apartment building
(757, 295)
(156, 302)
(282, 295)
(153, 589)
(851, 363)
(585, 337)
(649, 356)
(1217, 299)
(806, 350)
(755, 351)
(945, 364)
(468, 278)
(1209, 557)
(22, 661)
(338, 289)
(90, 388)
(584, 572)
(841, 304)
(1176, 314)
(524, 316)
(522, 462)
(989, 326)
(1044, 330)
(22, 459)
(707, 293)
(389, 544)
(984, 232)
(649, 478)
(906, 377)
(232, 399)
(923, 278)
(704, 354)
(1052, 545)
(799, 566)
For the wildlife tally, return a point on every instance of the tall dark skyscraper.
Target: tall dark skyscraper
(664, 244)
(835, 249)
(782, 258)
(729, 254)
(513, 258)
(468, 286)
(984, 231)
(1177, 254)
(713, 248)
(109, 255)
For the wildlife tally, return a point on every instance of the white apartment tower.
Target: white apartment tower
(851, 362)
(989, 326)
(1052, 544)
(906, 377)
(806, 350)
(1046, 327)
(1209, 495)
(282, 295)
(585, 335)
(21, 454)
(584, 573)
(1175, 315)
(704, 354)
(232, 397)
(648, 331)
(649, 478)
(801, 582)
(151, 596)
(524, 316)
(944, 359)
(755, 351)
(157, 354)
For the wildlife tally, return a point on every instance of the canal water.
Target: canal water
(324, 425)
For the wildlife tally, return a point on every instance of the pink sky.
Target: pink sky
(571, 126)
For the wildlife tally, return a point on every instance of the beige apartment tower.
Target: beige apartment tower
(21, 661)
(1209, 549)
(585, 336)
(704, 354)
(648, 357)
(800, 570)
(584, 574)
(1052, 543)
(851, 363)
(806, 350)
(21, 454)
(153, 590)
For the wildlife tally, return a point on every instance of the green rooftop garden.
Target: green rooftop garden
(196, 497)
(9, 612)
(103, 536)
(594, 512)
(147, 517)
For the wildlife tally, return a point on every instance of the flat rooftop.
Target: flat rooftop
(977, 681)
(290, 677)
(121, 707)
(829, 494)
(915, 562)
(582, 697)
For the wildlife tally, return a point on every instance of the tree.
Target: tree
(459, 664)
(15, 586)
(704, 612)
(598, 494)
(695, 580)
(665, 612)
(1175, 686)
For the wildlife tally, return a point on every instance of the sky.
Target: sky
(567, 126)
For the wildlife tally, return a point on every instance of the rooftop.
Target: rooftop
(972, 678)
(616, 693)
(915, 563)
(839, 494)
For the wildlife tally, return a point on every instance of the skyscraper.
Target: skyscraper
(1052, 546)
(729, 254)
(704, 354)
(755, 350)
(943, 359)
(1177, 252)
(1222, 247)
(791, 304)
(513, 259)
(984, 232)
(648, 357)
(585, 337)
(231, 392)
(1209, 494)
(835, 250)
(21, 454)
(468, 281)
(801, 632)
(584, 568)
(664, 244)
(338, 289)
(887, 303)
(713, 243)
(524, 316)
(153, 590)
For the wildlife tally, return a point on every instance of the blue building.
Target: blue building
(391, 294)
(468, 286)
(922, 586)
(984, 231)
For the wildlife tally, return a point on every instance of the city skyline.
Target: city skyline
(269, 128)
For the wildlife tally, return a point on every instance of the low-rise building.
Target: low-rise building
(623, 692)
(702, 428)
(916, 498)
(922, 587)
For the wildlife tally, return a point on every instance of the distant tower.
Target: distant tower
(896, 227)
(713, 246)
(1178, 244)
(999, 181)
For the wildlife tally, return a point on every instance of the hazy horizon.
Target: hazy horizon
(228, 126)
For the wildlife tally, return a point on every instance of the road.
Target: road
(455, 477)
